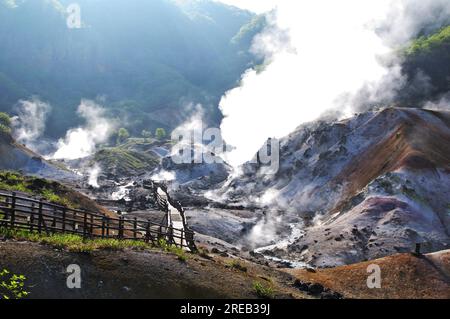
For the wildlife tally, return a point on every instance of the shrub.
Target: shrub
(265, 292)
(160, 133)
(12, 285)
(5, 119)
(235, 264)
(122, 135)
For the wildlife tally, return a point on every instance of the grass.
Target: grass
(73, 243)
(235, 264)
(178, 251)
(76, 243)
(50, 191)
(263, 291)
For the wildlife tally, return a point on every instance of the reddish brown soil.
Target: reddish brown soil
(415, 144)
(404, 276)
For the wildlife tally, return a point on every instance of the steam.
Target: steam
(441, 104)
(29, 124)
(339, 59)
(82, 141)
(190, 131)
(94, 173)
(164, 176)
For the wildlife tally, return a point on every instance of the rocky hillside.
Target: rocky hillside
(358, 189)
(15, 156)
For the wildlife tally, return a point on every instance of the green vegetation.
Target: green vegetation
(156, 56)
(122, 135)
(426, 44)
(12, 181)
(178, 251)
(12, 286)
(78, 244)
(124, 161)
(73, 243)
(263, 291)
(427, 58)
(250, 30)
(5, 123)
(160, 133)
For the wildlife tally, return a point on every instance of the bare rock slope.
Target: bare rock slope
(363, 188)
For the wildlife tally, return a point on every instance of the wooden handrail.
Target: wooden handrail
(23, 212)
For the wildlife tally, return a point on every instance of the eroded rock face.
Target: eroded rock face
(366, 187)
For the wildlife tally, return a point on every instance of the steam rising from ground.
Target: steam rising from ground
(29, 124)
(94, 173)
(82, 141)
(338, 60)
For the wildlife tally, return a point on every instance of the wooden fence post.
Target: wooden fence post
(135, 228)
(91, 229)
(147, 232)
(64, 220)
(107, 227)
(74, 223)
(7, 212)
(40, 215)
(13, 209)
(33, 209)
(54, 220)
(103, 227)
(85, 224)
(121, 227)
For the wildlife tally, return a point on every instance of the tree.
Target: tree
(122, 135)
(160, 133)
(5, 123)
(146, 134)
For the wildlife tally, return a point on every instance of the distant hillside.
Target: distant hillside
(147, 59)
(427, 67)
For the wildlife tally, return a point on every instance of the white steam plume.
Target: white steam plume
(29, 124)
(94, 173)
(82, 141)
(337, 60)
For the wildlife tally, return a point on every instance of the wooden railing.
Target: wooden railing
(18, 211)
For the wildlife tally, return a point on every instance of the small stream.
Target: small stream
(296, 232)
